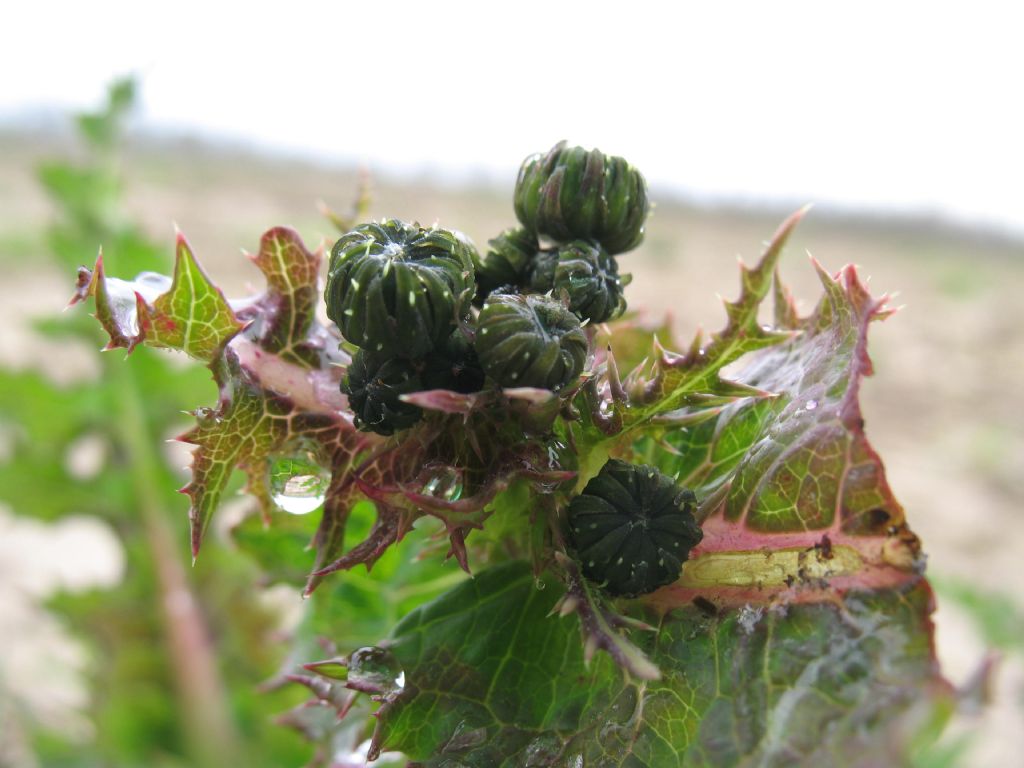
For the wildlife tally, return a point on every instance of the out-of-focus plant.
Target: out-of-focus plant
(729, 543)
(168, 646)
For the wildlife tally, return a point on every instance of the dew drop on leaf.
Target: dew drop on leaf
(445, 483)
(375, 670)
(151, 285)
(298, 484)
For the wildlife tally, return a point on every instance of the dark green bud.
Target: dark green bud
(571, 193)
(507, 262)
(632, 529)
(530, 341)
(587, 273)
(398, 288)
(454, 366)
(373, 384)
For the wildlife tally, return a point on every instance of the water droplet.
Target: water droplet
(298, 484)
(539, 583)
(151, 284)
(444, 483)
(811, 405)
(375, 670)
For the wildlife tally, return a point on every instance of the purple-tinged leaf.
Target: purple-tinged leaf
(252, 423)
(673, 381)
(286, 312)
(446, 401)
(794, 500)
(187, 313)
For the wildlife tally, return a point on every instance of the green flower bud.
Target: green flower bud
(632, 529)
(453, 365)
(570, 193)
(530, 341)
(398, 288)
(373, 384)
(507, 261)
(586, 272)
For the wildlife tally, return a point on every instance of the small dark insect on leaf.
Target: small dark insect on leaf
(824, 547)
(705, 606)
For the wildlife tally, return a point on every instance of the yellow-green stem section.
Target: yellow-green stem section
(768, 569)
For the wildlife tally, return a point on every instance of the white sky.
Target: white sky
(871, 104)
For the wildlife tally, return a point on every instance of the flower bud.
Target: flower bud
(374, 384)
(397, 288)
(632, 529)
(571, 193)
(507, 262)
(529, 341)
(589, 276)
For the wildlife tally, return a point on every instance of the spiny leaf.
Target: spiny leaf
(116, 305)
(785, 314)
(250, 424)
(193, 316)
(794, 498)
(674, 381)
(631, 338)
(285, 313)
(187, 313)
(806, 558)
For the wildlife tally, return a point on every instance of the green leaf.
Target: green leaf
(103, 128)
(287, 309)
(189, 314)
(792, 494)
(193, 316)
(673, 381)
(251, 424)
(492, 680)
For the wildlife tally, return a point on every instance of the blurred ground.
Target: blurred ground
(942, 410)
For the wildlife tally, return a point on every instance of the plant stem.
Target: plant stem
(204, 712)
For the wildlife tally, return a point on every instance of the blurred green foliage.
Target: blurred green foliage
(145, 688)
(995, 616)
(167, 639)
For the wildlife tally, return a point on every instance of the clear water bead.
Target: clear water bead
(445, 483)
(375, 670)
(298, 484)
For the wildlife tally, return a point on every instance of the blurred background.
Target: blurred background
(900, 123)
